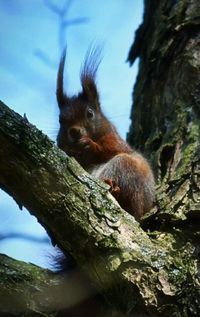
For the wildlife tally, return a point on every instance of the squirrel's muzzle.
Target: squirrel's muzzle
(75, 133)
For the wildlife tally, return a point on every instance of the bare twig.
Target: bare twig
(64, 22)
(23, 236)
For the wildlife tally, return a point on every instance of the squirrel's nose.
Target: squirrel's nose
(75, 133)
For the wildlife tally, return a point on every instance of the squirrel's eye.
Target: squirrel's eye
(90, 113)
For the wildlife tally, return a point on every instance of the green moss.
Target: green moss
(114, 262)
(188, 151)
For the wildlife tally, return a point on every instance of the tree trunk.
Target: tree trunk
(153, 273)
(166, 112)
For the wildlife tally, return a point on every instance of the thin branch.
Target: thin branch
(23, 236)
(45, 58)
(54, 8)
(64, 22)
(75, 21)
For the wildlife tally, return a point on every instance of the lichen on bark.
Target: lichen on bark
(82, 218)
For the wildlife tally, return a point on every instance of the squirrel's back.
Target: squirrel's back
(133, 176)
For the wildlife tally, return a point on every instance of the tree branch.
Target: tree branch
(28, 290)
(83, 219)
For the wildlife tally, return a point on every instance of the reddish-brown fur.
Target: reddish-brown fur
(86, 134)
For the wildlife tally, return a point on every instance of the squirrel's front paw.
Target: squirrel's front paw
(86, 143)
(114, 188)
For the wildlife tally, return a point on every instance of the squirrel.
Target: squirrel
(86, 134)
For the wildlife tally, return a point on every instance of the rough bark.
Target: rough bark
(166, 112)
(81, 217)
(28, 290)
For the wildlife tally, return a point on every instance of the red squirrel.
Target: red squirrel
(86, 134)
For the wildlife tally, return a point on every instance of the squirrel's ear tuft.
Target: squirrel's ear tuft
(61, 96)
(88, 74)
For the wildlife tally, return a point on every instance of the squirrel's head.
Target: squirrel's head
(80, 115)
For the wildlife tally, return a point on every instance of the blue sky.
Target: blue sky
(29, 30)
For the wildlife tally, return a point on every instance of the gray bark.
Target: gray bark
(166, 116)
(81, 217)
